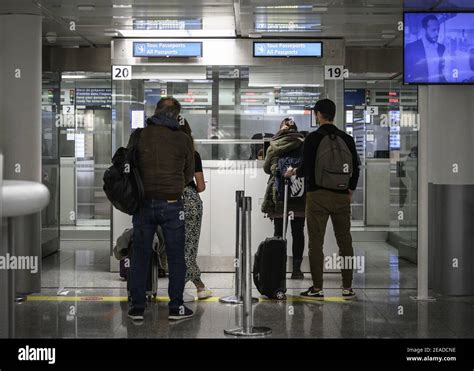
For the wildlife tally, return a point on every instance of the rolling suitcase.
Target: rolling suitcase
(152, 278)
(269, 269)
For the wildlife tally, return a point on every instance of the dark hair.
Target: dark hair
(169, 106)
(327, 109)
(185, 128)
(290, 123)
(427, 19)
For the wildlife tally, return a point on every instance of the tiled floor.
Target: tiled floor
(81, 299)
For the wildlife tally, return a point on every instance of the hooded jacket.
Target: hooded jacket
(283, 143)
(165, 158)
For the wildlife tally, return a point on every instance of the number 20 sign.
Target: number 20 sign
(121, 72)
(335, 73)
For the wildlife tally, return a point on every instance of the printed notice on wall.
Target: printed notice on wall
(137, 119)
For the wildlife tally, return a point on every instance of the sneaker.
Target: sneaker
(187, 298)
(312, 293)
(204, 294)
(180, 313)
(348, 293)
(136, 314)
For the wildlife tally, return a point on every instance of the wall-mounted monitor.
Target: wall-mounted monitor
(439, 48)
(167, 49)
(276, 49)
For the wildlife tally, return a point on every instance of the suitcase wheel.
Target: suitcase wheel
(280, 295)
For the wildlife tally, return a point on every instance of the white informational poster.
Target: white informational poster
(349, 117)
(80, 145)
(370, 137)
(137, 119)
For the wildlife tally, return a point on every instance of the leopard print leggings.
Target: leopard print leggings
(192, 225)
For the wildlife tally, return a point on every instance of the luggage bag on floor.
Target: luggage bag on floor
(152, 278)
(269, 269)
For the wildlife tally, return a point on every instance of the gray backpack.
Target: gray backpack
(333, 166)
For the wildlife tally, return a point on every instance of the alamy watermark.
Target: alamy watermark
(37, 354)
(12, 262)
(335, 261)
(230, 167)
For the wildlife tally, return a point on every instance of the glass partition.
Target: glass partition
(50, 161)
(85, 147)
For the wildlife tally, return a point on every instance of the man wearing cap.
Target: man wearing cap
(323, 202)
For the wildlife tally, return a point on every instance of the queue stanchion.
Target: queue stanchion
(247, 329)
(237, 297)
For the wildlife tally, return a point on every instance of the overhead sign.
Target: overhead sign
(121, 72)
(335, 73)
(373, 110)
(286, 26)
(287, 49)
(167, 24)
(167, 49)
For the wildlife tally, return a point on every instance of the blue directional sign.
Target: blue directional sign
(286, 49)
(167, 49)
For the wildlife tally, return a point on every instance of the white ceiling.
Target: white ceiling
(367, 23)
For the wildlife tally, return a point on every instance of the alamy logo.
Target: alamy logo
(37, 354)
(12, 262)
(230, 167)
(356, 263)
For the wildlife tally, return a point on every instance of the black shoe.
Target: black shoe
(312, 293)
(297, 275)
(348, 294)
(182, 312)
(136, 314)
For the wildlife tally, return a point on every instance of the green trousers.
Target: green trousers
(320, 205)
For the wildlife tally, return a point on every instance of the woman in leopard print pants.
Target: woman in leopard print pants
(192, 224)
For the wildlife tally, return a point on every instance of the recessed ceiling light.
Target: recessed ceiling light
(125, 6)
(111, 32)
(86, 8)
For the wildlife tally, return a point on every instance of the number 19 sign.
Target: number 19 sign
(335, 73)
(121, 72)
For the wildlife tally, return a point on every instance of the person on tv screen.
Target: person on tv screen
(425, 57)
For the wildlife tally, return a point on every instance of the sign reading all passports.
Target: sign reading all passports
(167, 49)
(286, 49)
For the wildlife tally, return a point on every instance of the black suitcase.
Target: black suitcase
(269, 268)
(152, 278)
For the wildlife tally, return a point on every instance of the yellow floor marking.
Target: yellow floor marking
(214, 299)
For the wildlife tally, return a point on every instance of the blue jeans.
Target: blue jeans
(170, 216)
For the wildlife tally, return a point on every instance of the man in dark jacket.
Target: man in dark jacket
(166, 164)
(425, 57)
(322, 203)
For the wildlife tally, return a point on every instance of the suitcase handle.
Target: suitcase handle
(285, 208)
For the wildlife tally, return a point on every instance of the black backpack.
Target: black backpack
(123, 185)
(333, 166)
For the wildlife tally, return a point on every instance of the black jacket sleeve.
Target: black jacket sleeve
(355, 164)
(306, 167)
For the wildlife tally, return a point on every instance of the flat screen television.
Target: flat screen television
(438, 48)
